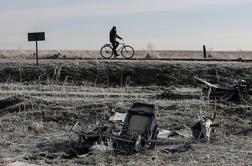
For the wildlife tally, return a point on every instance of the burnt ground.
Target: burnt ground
(40, 105)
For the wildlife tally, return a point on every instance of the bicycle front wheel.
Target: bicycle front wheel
(127, 52)
(106, 52)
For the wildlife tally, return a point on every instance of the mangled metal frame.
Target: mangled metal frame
(202, 129)
(140, 126)
(238, 92)
(134, 137)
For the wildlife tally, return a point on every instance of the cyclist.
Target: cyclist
(112, 37)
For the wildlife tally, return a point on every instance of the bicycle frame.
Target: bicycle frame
(120, 46)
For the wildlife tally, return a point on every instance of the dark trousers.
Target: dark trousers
(115, 45)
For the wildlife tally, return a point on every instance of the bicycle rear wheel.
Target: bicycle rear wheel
(127, 52)
(106, 51)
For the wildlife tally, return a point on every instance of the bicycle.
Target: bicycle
(126, 51)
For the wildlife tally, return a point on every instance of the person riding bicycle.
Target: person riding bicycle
(112, 37)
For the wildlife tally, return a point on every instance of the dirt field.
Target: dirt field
(40, 105)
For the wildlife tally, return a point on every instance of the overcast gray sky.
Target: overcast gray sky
(166, 24)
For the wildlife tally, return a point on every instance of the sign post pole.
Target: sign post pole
(37, 52)
(36, 36)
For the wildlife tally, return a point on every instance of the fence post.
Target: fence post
(204, 51)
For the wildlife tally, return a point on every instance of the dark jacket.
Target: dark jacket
(113, 35)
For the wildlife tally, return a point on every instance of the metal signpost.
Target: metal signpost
(36, 36)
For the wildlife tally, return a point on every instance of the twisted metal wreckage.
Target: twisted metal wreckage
(140, 131)
(238, 92)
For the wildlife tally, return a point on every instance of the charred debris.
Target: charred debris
(239, 91)
(136, 131)
(139, 128)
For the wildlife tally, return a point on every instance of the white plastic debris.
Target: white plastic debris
(164, 134)
(118, 117)
(174, 135)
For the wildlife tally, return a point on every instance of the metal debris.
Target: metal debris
(139, 131)
(178, 147)
(239, 91)
(202, 129)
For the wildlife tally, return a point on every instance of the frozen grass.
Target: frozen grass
(57, 108)
(52, 108)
